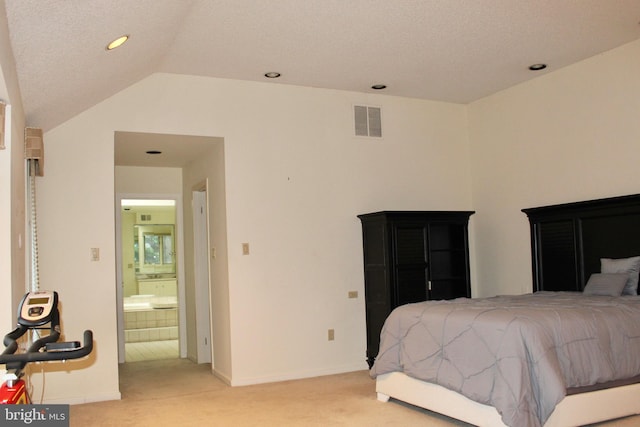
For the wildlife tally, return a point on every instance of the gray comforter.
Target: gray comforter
(518, 354)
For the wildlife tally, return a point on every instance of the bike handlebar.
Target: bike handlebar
(62, 351)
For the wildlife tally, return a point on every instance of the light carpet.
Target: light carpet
(178, 392)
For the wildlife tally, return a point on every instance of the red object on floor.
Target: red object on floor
(14, 395)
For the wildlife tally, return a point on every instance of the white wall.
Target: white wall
(149, 181)
(76, 208)
(12, 189)
(295, 179)
(570, 135)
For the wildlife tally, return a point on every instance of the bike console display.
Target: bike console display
(37, 308)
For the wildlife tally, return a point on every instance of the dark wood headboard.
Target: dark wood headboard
(568, 240)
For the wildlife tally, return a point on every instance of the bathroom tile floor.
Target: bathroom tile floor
(151, 350)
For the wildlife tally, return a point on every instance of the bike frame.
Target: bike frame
(13, 389)
(14, 394)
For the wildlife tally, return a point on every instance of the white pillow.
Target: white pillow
(630, 266)
(606, 284)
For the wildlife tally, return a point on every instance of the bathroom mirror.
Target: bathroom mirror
(154, 250)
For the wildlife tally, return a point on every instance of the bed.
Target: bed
(507, 360)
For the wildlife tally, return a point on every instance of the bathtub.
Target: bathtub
(149, 302)
(150, 318)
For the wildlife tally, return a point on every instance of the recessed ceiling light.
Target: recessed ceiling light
(117, 42)
(537, 67)
(154, 152)
(272, 75)
(379, 87)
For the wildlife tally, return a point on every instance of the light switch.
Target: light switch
(245, 249)
(95, 254)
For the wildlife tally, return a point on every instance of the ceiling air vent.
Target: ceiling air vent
(368, 121)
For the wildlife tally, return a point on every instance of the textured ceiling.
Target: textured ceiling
(447, 50)
(176, 151)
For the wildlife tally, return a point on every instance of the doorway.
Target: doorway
(149, 309)
(186, 164)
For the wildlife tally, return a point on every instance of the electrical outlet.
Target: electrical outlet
(331, 335)
(353, 294)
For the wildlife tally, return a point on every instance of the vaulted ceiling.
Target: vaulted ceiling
(448, 50)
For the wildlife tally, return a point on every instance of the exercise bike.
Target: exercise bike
(36, 309)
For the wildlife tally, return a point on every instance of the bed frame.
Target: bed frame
(580, 234)
(574, 410)
(568, 240)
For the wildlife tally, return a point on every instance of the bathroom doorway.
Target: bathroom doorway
(150, 309)
(186, 163)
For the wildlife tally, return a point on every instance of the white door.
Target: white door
(201, 267)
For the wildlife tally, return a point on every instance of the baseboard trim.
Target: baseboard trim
(297, 375)
(222, 377)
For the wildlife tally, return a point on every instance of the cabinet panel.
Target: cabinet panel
(448, 264)
(410, 245)
(158, 287)
(449, 289)
(378, 286)
(410, 286)
(376, 316)
(446, 236)
(411, 257)
(375, 241)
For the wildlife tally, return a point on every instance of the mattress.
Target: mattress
(518, 354)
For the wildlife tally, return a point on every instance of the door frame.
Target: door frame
(182, 317)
